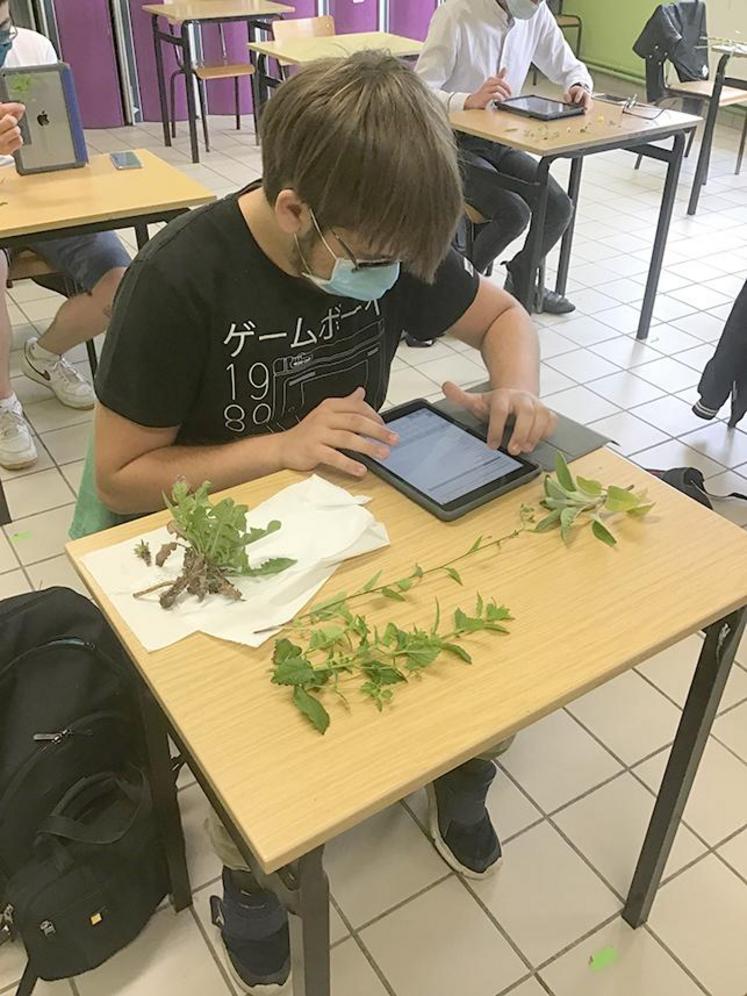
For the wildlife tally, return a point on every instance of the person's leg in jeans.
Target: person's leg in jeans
(17, 447)
(96, 265)
(557, 218)
(252, 921)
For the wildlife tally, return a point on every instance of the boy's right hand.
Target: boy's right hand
(495, 88)
(337, 424)
(10, 133)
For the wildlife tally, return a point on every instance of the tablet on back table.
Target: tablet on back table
(532, 106)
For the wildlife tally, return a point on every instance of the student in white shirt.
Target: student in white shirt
(94, 263)
(480, 51)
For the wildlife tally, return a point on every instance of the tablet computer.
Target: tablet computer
(532, 106)
(51, 128)
(442, 465)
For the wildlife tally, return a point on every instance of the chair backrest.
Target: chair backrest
(304, 27)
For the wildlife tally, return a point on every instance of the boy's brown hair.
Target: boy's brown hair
(366, 145)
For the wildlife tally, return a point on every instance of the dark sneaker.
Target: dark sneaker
(459, 823)
(552, 303)
(414, 343)
(254, 930)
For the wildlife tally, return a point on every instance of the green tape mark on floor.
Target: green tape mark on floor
(20, 537)
(603, 959)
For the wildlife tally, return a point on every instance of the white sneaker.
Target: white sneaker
(57, 374)
(17, 448)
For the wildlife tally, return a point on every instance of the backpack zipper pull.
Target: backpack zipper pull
(61, 735)
(7, 932)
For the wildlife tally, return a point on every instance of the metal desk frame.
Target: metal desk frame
(182, 43)
(704, 159)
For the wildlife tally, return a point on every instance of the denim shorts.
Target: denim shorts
(85, 259)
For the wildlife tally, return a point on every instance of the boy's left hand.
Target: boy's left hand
(533, 421)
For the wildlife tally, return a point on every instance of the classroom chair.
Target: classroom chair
(204, 72)
(27, 265)
(572, 21)
(299, 27)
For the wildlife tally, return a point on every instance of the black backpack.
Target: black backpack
(691, 482)
(67, 713)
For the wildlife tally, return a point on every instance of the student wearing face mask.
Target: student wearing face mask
(257, 334)
(478, 52)
(94, 263)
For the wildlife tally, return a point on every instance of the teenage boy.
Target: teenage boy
(257, 334)
(94, 263)
(478, 52)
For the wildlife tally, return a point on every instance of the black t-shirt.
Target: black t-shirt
(210, 335)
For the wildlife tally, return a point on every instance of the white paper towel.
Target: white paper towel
(322, 525)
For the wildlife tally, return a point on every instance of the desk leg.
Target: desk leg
(165, 804)
(662, 233)
(310, 929)
(527, 293)
(189, 83)
(711, 674)
(161, 81)
(706, 144)
(141, 235)
(574, 185)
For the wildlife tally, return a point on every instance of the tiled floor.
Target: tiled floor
(575, 792)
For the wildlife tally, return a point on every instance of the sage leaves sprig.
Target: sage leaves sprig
(346, 651)
(578, 501)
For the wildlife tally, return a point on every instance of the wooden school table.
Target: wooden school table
(299, 51)
(183, 15)
(94, 198)
(583, 615)
(574, 139)
(725, 91)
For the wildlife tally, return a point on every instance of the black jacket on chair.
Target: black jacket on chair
(675, 32)
(726, 374)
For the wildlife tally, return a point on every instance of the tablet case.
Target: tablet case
(570, 438)
(51, 127)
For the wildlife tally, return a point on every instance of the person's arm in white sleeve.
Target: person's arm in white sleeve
(438, 58)
(554, 56)
(48, 56)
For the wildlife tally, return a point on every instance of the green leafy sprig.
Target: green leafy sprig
(577, 501)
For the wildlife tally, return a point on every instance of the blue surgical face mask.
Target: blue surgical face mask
(522, 10)
(6, 44)
(346, 280)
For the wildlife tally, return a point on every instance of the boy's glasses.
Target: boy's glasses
(361, 264)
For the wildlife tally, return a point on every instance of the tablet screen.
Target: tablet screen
(442, 460)
(541, 106)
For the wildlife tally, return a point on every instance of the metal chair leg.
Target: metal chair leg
(740, 156)
(93, 360)
(172, 100)
(203, 112)
(690, 143)
(638, 162)
(237, 99)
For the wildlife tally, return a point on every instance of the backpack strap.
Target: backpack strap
(80, 796)
(28, 982)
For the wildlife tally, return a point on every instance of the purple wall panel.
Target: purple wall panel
(146, 66)
(87, 43)
(411, 17)
(350, 16)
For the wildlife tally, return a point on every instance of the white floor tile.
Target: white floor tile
(629, 433)
(68, 445)
(50, 414)
(544, 896)
(629, 716)
(459, 368)
(57, 571)
(641, 966)
(380, 863)
(37, 493)
(672, 341)
(8, 560)
(582, 405)
(700, 297)
(718, 802)
(551, 381)
(731, 730)
(583, 365)
(41, 536)
(170, 948)
(623, 290)
(588, 330)
(697, 356)
(702, 325)
(626, 352)
(466, 953)
(700, 916)
(553, 343)
(625, 389)
(734, 851)
(555, 761)
(529, 988)
(73, 472)
(46, 307)
(717, 441)
(510, 810)
(404, 385)
(623, 318)
(729, 285)
(672, 673)
(675, 454)
(590, 300)
(668, 309)
(351, 972)
(668, 374)
(13, 583)
(669, 414)
(609, 825)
